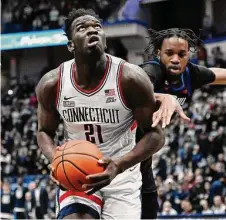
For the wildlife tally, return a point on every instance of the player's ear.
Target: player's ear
(70, 46)
(158, 52)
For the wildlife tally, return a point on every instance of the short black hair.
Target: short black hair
(157, 38)
(76, 13)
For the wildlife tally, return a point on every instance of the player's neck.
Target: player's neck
(89, 70)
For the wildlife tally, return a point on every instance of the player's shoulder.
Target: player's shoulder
(132, 72)
(195, 68)
(49, 79)
(47, 85)
(154, 70)
(151, 66)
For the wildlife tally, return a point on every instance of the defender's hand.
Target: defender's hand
(169, 105)
(103, 179)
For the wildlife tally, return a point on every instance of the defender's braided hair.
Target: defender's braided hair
(157, 37)
(76, 13)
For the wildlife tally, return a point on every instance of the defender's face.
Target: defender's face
(87, 35)
(174, 54)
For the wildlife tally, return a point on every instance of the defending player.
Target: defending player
(99, 96)
(172, 73)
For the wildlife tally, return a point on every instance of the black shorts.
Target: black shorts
(146, 170)
(149, 192)
(150, 206)
(148, 182)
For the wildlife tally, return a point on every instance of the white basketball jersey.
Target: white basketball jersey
(99, 115)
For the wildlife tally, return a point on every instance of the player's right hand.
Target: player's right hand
(103, 179)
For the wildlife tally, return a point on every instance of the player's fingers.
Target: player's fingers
(97, 177)
(95, 186)
(91, 191)
(164, 117)
(169, 116)
(157, 117)
(54, 179)
(50, 167)
(104, 161)
(183, 116)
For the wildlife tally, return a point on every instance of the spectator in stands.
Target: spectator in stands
(207, 26)
(29, 206)
(19, 199)
(205, 207)
(37, 24)
(7, 17)
(187, 207)
(218, 207)
(53, 17)
(167, 209)
(219, 57)
(6, 201)
(41, 200)
(196, 157)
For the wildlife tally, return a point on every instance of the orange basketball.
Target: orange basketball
(74, 161)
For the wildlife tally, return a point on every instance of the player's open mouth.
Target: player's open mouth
(93, 41)
(174, 68)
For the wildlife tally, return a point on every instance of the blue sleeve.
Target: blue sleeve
(155, 74)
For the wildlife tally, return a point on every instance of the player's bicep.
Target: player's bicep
(140, 96)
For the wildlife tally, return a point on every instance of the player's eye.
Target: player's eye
(98, 26)
(81, 28)
(169, 53)
(181, 55)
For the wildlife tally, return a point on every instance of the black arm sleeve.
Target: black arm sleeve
(200, 75)
(155, 74)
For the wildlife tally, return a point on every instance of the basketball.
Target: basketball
(74, 161)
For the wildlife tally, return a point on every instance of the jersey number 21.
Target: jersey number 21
(93, 133)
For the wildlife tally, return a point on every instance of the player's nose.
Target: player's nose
(91, 30)
(175, 59)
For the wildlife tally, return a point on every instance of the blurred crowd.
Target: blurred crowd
(189, 170)
(28, 15)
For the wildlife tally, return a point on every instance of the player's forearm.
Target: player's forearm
(220, 76)
(151, 143)
(46, 144)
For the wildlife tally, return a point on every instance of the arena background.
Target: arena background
(190, 170)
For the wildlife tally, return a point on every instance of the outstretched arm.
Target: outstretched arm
(220, 76)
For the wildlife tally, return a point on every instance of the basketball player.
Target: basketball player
(99, 97)
(172, 73)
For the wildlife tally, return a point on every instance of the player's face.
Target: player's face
(88, 36)
(174, 54)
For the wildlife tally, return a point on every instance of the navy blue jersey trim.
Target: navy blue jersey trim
(78, 208)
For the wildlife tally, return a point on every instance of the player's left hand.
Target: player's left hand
(169, 105)
(103, 179)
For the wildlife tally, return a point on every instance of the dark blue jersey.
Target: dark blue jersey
(194, 77)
